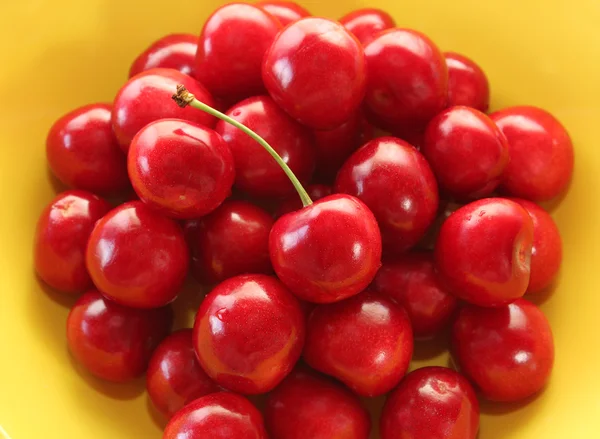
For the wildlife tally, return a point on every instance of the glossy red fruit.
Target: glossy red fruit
(483, 252)
(306, 405)
(541, 153)
(217, 416)
(395, 181)
(112, 341)
(467, 152)
(322, 98)
(431, 403)
(508, 352)
(366, 23)
(249, 333)
(467, 83)
(137, 257)
(179, 168)
(327, 251)
(285, 12)
(293, 202)
(175, 51)
(256, 172)
(83, 152)
(147, 97)
(411, 281)
(61, 236)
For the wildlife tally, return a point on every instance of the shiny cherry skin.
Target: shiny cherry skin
(257, 173)
(179, 168)
(395, 181)
(174, 377)
(366, 23)
(365, 341)
(467, 83)
(61, 237)
(226, 63)
(541, 153)
(175, 51)
(508, 352)
(431, 403)
(467, 152)
(137, 257)
(114, 342)
(83, 153)
(147, 97)
(322, 98)
(285, 12)
(411, 281)
(220, 415)
(249, 333)
(327, 251)
(293, 202)
(306, 405)
(483, 252)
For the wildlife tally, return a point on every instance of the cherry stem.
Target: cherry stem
(184, 98)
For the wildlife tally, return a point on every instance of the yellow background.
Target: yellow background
(56, 55)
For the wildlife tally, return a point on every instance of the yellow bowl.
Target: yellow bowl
(62, 54)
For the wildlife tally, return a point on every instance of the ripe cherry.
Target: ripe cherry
(467, 83)
(285, 12)
(293, 202)
(366, 23)
(175, 51)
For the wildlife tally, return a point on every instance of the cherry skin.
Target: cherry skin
(285, 12)
(61, 236)
(327, 251)
(175, 51)
(83, 152)
(257, 173)
(366, 23)
(306, 405)
(467, 83)
(147, 97)
(112, 341)
(395, 181)
(293, 73)
(431, 403)
(467, 152)
(220, 415)
(508, 352)
(179, 168)
(293, 202)
(249, 333)
(541, 153)
(483, 252)
(137, 257)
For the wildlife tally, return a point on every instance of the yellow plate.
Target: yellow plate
(57, 55)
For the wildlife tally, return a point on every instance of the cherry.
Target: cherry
(395, 181)
(541, 153)
(112, 341)
(508, 352)
(293, 203)
(467, 152)
(366, 23)
(179, 168)
(217, 416)
(285, 12)
(306, 405)
(83, 152)
(411, 281)
(365, 341)
(136, 257)
(175, 51)
(467, 83)
(293, 72)
(431, 403)
(483, 252)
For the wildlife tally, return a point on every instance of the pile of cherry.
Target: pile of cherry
(307, 280)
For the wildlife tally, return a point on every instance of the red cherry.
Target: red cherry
(256, 172)
(112, 341)
(61, 236)
(217, 416)
(83, 152)
(508, 352)
(366, 23)
(249, 333)
(431, 403)
(395, 181)
(293, 202)
(483, 252)
(467, 83)
(541, 153)
(136, 257)
(179, 168)
(175, 51)
(467, 152)
(411, 281)
(294, 73)
(285, 12)
(147, 97)
(306, 405)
